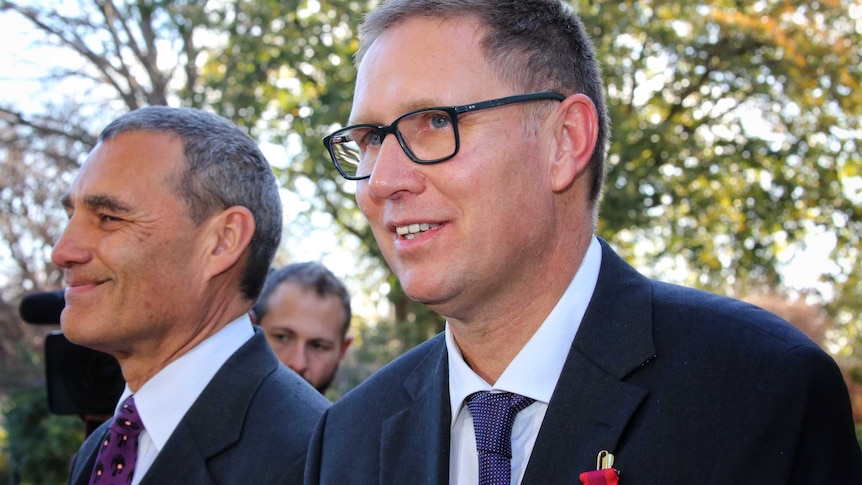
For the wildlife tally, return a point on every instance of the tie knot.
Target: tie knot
(493, 417)
(128, 421)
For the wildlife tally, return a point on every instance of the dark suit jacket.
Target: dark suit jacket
(684, 387)
(251, 424)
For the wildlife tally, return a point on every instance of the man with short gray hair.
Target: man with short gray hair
(174, 219)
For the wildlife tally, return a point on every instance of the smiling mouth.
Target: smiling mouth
(413, 230)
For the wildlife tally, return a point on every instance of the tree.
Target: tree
(737, 129)
(30, 218)
(40, 445)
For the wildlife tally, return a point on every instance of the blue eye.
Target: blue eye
(440, 120)
(375, 137)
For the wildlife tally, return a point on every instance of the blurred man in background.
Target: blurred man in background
(304, 309)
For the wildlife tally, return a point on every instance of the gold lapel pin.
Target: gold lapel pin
(605, 460)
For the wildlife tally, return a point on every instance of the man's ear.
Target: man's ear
(344, 345)
(229, 236)
(577, 134)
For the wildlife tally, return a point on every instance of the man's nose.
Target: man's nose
(394, 172)
(71, 247)
(296, 359)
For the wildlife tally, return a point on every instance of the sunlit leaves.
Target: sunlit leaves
(736, 135)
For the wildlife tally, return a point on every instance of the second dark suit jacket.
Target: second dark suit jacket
(684, 387)
(251, 424)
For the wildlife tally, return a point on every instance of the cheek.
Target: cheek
(364, 199)
(323, 358)
(176, 265)
(144, 274)
(490, 170)
(283, 353)
(512, 204)
(372, 209)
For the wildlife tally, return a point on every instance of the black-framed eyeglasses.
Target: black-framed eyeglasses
(427, 135)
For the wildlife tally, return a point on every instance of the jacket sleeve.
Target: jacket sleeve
(827, 450)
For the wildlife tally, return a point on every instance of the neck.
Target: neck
(149, 356)
(490, 342)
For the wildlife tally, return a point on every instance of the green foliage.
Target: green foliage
(40, 445)
(682, 80)
(736, 135)
(5, 470)
(292, 83)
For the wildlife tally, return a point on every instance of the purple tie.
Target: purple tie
(493, 416)
(115, 462)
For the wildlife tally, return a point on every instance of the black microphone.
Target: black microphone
(42, 308)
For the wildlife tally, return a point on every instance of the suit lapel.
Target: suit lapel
(586, 416)
(592, 405)
(180, 461)
(415, 441)
(215, 420)
(85, 459)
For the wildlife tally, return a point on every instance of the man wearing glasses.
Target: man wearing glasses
(558, 358)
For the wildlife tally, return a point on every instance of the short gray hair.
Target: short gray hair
(225, 168)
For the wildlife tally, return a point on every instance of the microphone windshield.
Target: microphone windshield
(42, 308)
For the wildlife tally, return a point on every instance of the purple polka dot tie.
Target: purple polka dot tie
(115, 462)
(493, 416)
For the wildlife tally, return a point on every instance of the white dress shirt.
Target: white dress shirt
(164, 399)
(534, 373)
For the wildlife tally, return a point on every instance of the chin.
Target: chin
(80, 330)
(416, 294)
(70, 323)
(431, 299)
(81, 338)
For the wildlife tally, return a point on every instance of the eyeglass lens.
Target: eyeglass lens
(426, 136)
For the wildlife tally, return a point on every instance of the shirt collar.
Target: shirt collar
(535, 370)
(164, 399)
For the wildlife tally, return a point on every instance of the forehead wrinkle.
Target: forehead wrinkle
(404, 108)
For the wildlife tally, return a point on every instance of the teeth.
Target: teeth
(411, 231)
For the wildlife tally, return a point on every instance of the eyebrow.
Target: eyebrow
(98, 202)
